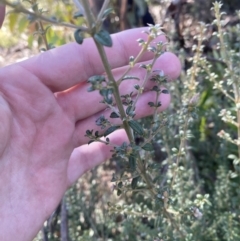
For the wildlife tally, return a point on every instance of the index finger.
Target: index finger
(71, 64)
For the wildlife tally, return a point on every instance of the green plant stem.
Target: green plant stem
(182, 144)
(173, 222)
(140, 166)
(237, 103)
(115, 90)
(88, 13)
(43, 34)
(156, 108)
(108, 70)
(104, 7)
(146, 78)
(105, 142)
(238, 120)
(194, 70)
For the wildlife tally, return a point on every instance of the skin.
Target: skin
(44, 113)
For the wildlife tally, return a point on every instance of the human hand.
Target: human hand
(45, 110)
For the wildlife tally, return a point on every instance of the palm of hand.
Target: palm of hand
(39, 145)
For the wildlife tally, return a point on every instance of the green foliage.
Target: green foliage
(103, 37)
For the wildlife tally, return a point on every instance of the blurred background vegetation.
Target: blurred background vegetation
(205, 199)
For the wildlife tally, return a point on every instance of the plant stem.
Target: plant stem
(194, 70)
(104, 7)
(19, 8)
(141, 168)
(238, 119)
(88, 13)
(43, 34)
(173, 222)
(102, 53)
(182, 144)
(146, 78)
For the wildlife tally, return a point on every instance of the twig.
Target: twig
(79, 6)
(43, 34)
(64, 221)
(104, 6)
(44, 234)
(19, 8)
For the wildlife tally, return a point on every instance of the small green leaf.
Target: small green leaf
(132, 162)
(131, 61)
(120, 184)
(107, 12)
(165, 91)
(103, 92)
(152, 49)
(129, 110)
(91, 141)
(47, 28)
(131, 58)
(103, 37)
(130, 77)
(96, 78)
(13, 19)
(134, 182)
(35, 7)
(147, 147)
(140, 41)
(137, 87)
(89, 133)
(155, 88)
(159, 104)
(151, 104)
(114, 115)
(22, 24)
(144, 66)
(97, 134)
(51, 46)
(114, 179)
(119, 192)
(107, 95)
(136, 127)
(90, 89)
(78, 36)
(110, 130)
(78, 14)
